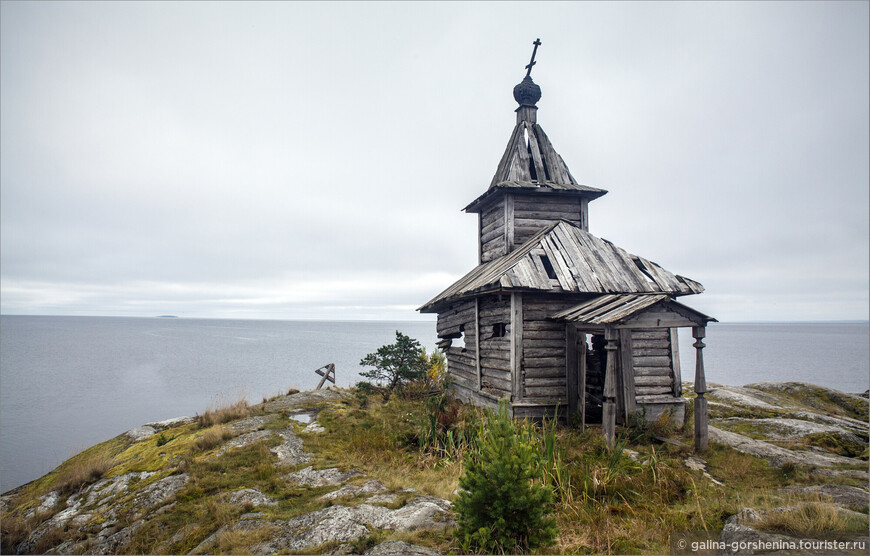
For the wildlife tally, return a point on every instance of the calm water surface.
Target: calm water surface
(69, 382)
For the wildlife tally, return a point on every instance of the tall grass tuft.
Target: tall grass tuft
(212, 437)
(224, 414)
(82, 471)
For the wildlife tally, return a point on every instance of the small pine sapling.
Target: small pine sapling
(502, 505)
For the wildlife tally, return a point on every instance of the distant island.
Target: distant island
(167, 316)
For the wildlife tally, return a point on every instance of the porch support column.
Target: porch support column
(701, 441)
(608, 418)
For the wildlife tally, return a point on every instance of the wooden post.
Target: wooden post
(517, 379)
(675, 363)
(608, 418)
(626, 374)
(571, 368)
(477, 343)
(701, 441)
(581, 353)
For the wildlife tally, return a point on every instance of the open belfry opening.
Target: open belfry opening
(553, 316)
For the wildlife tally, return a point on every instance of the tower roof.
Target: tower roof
(530, 162)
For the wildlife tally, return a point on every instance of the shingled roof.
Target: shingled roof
(564, 258)
(531, 162)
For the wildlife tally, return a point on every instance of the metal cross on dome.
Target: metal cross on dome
(532, 62)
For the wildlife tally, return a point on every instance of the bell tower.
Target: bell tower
(532, 187)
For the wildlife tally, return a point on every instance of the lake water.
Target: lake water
(67, 383)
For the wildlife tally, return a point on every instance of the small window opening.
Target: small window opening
(548, 266)
(499, 330)
(460, 341)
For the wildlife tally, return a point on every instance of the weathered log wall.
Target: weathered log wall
(492, 231)
(495, 332)
(533, 213)
(459, 321)
(543, 357)
(653, 368)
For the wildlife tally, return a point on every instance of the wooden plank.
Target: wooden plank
(497, 383)
(627, 372)
(582, 393)
(652, 361)
(661, 334)
(489, 235)
(546, 372)
(651, 352)
(652, 371)
(509, 223)
(495, 223)
(649, 390)
(653, 381)
(657, 398)
(538, 362)
(675, 363)
(498, 351)
(536, 352)
(584, 214)
(547, 381)
(477, 340)
(516, 361)
(490, 363)
(557, 392)
(541, 214)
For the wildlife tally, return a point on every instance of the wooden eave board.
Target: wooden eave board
(621, 309)
(538, 188)
(583, 264)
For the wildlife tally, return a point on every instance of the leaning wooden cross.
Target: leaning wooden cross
(328, 374)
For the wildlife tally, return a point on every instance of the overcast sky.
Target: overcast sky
(295, 160)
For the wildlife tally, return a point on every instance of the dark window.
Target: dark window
(499, 330)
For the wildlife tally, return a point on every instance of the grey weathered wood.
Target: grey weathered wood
(675, 362)
(328, 374)
(653, 352)
(584, 214)
(545, 392)
(640, 381)
(492, 363)
(571, 368)
(626, 365)
(652, 371)
(477, 340)
(516, 361)
(608, 424)
(582, 356)
(701, 432)
(536, 362)
(652, 390)
(509, 223)
(652, 361)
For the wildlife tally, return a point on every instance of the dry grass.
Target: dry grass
(13, 530)
(224, 414)
(212, 437)
(82, 471)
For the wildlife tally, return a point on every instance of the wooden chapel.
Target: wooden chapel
(554, 316)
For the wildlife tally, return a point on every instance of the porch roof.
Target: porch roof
(620, 308)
